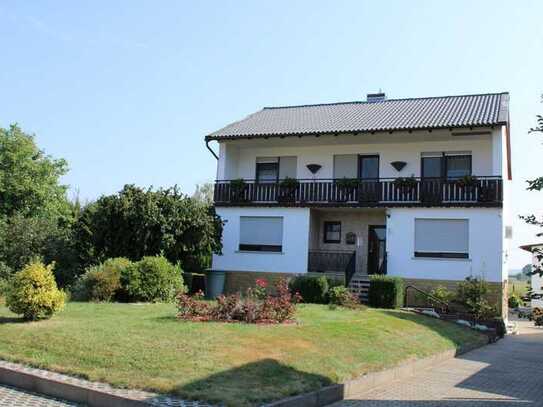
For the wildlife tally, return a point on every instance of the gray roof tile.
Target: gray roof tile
(394, 114)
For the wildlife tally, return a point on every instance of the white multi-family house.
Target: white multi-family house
(536, 280)
(415, 188)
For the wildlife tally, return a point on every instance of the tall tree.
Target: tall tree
(29, 179)
(35, 214)
(536, 185)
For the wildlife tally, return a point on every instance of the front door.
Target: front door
(376, 249)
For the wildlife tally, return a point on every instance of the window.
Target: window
(267, 169)
(445, 165)
(369, 167)
(332, 232)
(448, 238)
(457, 166)
(261, 233)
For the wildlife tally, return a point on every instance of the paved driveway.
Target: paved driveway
(12, 397)
(508, 373)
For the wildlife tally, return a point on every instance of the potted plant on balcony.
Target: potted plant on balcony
(237, 190)
(467, 181)
(287, 189)
(405, 184)
(347, 188)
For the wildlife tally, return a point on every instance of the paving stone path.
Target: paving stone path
(12, 397)
(508, 373)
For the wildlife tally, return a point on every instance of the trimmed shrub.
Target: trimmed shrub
(33, 292)
(341, 296)
(385, 292)
(514, 301)
(312, 289)
(102, 282)
(152, 279)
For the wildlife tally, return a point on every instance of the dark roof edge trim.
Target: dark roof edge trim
(210, 137)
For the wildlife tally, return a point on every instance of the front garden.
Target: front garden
(145, 346)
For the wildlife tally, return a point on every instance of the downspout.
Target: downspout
(209, 148)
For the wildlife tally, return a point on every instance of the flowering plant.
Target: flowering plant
(260, 289)
(272, 309)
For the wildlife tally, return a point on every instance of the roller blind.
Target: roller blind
(345, 166)
(287, 167)
(261, 230)
(442, 235)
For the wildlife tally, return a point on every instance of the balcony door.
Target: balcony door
(368, 167)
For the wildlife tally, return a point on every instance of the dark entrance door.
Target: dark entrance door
(376, 249)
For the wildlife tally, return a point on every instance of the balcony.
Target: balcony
(383, 192)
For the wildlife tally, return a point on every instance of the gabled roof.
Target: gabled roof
(482, 110)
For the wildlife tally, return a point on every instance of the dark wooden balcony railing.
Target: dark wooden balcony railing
(483, 191)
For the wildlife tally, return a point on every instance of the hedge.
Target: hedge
(385, 292)
(312, 289)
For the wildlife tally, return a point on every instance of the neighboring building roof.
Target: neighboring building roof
(482, 110)
(530, 247)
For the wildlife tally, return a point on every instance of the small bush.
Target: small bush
(501, 329)
(312, 289)
(152, 279)
(442, 294)
(102, 282)
(33, 292)
(385, 292)
(472, 293)
(341, 296)
(514, 301)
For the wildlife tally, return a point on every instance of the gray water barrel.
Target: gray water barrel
(215, 283)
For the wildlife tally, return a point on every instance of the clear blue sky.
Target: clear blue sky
(126, 90)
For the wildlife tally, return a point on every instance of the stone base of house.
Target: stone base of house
(239, 281)
(497, 291)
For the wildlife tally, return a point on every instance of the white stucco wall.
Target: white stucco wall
(485, 245)
(293, 259)
(238, 158)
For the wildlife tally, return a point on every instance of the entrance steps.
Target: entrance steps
(360, 286)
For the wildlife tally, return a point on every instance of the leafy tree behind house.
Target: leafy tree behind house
(140, 222)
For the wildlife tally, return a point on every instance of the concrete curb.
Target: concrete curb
(338, 392)
(66, 391)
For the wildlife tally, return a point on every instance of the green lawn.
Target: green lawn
(144, 346)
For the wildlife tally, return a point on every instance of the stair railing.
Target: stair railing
(350, 270)
(444, 305)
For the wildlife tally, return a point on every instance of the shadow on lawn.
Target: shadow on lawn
(12, 320)
(252, 384)
(444, 328)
